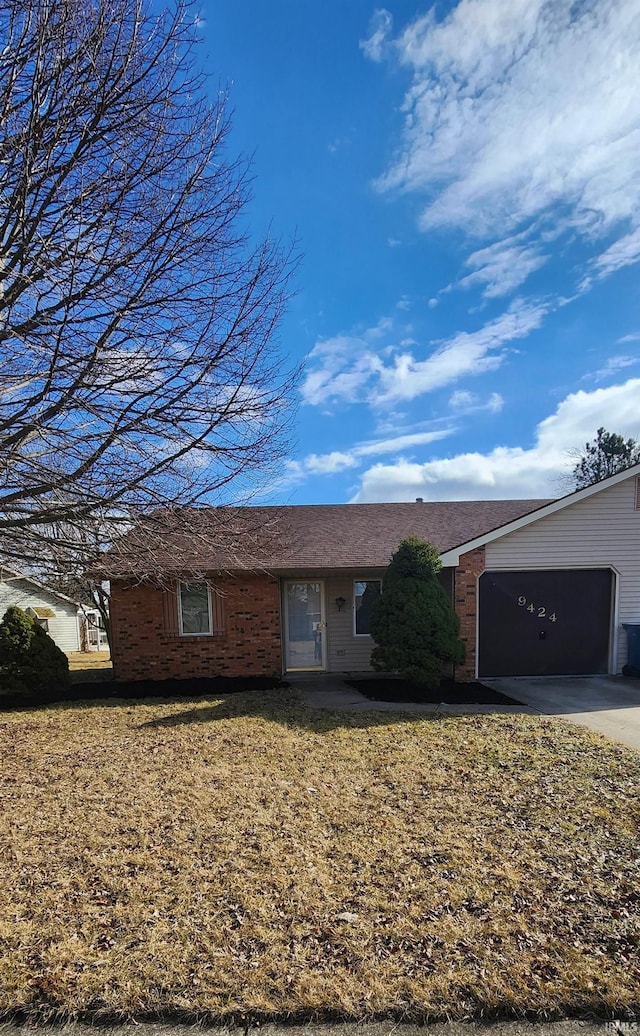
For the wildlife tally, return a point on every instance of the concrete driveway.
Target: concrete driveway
(608, 704)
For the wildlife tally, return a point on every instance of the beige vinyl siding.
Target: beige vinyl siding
(345, 651)
(63, 628)
(601, 531)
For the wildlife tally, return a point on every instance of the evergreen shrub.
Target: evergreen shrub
(30, 661)
(413, 622)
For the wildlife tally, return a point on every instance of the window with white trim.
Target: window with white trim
(194, 609)
(365, 594)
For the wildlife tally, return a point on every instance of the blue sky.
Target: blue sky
(464, 183)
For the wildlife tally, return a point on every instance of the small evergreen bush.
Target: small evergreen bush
(30, 661)
(413, 623)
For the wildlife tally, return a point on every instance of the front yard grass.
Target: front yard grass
(251, 858)
(89, 661)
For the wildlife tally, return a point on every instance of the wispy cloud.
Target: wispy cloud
(623, 252)
(512, 471)
(349, 368)
(379, 29)
(337, 143)
(502, 267)
(613, 366)
(340, 460)
(523, 112)
(469, 403)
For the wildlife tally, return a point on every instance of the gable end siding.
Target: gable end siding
(63, 629)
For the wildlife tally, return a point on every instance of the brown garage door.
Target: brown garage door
(554, 623)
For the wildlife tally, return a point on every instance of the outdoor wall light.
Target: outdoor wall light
(340, 603)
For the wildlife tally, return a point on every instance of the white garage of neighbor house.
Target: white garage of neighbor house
(61, 617)
(556, 587)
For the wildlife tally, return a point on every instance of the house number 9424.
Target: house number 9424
(539, 610)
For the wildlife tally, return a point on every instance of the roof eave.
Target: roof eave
(452, 557)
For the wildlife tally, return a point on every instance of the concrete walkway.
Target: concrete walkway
(331, 691)
(609, 705)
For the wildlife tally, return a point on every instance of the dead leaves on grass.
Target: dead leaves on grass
(263, 859)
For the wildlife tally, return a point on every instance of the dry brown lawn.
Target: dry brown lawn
(250, 857)
(89, 660)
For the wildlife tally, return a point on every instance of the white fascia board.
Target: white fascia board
(452, 557)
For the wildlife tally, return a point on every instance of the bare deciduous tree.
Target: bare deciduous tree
(137, 322)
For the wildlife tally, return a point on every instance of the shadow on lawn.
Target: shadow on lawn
(286, 708)
(218, 699)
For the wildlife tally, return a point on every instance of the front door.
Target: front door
(305, 647)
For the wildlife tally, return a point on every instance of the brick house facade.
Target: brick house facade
(147, 645)
(284, 583)
(248, 633)
(541, 587)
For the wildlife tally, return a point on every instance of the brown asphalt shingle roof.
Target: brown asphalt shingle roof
(305, 537)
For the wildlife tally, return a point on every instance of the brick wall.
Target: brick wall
(146, 644)
(471, 566)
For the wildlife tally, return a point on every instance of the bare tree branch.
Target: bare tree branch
(138, 325)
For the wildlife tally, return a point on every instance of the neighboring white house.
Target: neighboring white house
(61, 617)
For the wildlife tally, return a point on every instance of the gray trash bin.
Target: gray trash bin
(632, 668)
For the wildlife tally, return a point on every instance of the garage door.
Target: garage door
(554, 623)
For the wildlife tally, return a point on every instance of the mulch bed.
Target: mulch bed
(395, 689)
(212, 687)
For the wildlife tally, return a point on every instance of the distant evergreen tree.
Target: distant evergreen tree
(605, 455)
(413, 623)
(30, 661)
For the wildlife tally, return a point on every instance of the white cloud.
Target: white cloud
(467, 353)
(502, 267)
(521, 111)
(613, 366)
(400, 442)
(339, 368)
(511, 471)
(340, 460)
(623, 252)
(462, 399)
(468, 402)
(329, 463)
(634, 337)
(347, 368)
(379, 29)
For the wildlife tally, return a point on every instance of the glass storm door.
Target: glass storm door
(304, 626)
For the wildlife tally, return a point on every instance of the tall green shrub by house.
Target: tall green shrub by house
(30, 661)
(413, 623)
